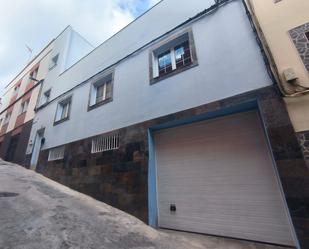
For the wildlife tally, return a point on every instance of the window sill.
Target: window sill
(176, 71)
(21, 114)
(52, 67)
(61, 121)
(41, 106)
(91, 107)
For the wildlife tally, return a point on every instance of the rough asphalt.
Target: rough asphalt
(37, 213)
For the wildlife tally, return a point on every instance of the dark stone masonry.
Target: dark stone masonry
(120, 177)
(303, 138)
(301, 42)
(14, 151)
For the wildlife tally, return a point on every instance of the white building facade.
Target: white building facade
(174, 120)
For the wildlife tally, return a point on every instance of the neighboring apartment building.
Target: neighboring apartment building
(178, 121)
(18, 103)
(285, 27)
(20, 97)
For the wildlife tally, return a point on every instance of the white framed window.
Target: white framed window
(7, 118)
(172, 56)
(63, 110)
(33, 74)
(53, 61)
(45, 97)
(16, 89)
(101, 90)
(105, 143)
(56, 153)
(24, 107)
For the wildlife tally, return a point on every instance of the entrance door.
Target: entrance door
(12, 148)
(36, 149)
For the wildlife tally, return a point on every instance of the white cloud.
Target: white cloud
(36, 22)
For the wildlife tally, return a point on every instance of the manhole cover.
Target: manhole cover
(7, 194)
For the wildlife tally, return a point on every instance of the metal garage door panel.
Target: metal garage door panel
(220, 175)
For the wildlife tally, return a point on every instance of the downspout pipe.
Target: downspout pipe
(253, 23)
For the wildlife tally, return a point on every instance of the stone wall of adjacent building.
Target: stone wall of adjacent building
(303, 138)
(120, 177)
(301, 42)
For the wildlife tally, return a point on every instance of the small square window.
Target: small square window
(101, 91)
(105, 143)
(53, 62)
(307, 35)
(56, 153)
(172, 57)
(63, 110)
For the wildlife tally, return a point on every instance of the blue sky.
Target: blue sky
(136, 7)
(36, 22)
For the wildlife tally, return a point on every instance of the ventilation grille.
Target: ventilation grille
(56, 153)
(105, 143)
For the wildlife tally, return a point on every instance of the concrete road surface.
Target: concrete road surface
(37, 213)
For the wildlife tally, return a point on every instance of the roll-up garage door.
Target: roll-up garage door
(217, 177)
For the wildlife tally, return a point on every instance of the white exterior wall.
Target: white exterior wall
(229, 60)
(71, 47)
(78, 47)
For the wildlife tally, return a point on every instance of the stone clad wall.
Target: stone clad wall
(303, 138)
(23, 132)
(301, 42)
(116, 177)
(120, 177)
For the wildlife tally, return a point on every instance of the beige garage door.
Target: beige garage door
(219, 176)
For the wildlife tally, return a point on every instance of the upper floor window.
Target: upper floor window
(165, 63)
(7, 118)
(34, 74)
(23, 107)
(172, 57)
(53, 62)
(63, 110)
(45, 97)
(16, 89)
(101, 90)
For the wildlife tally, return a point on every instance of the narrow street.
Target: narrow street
(37, 213)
